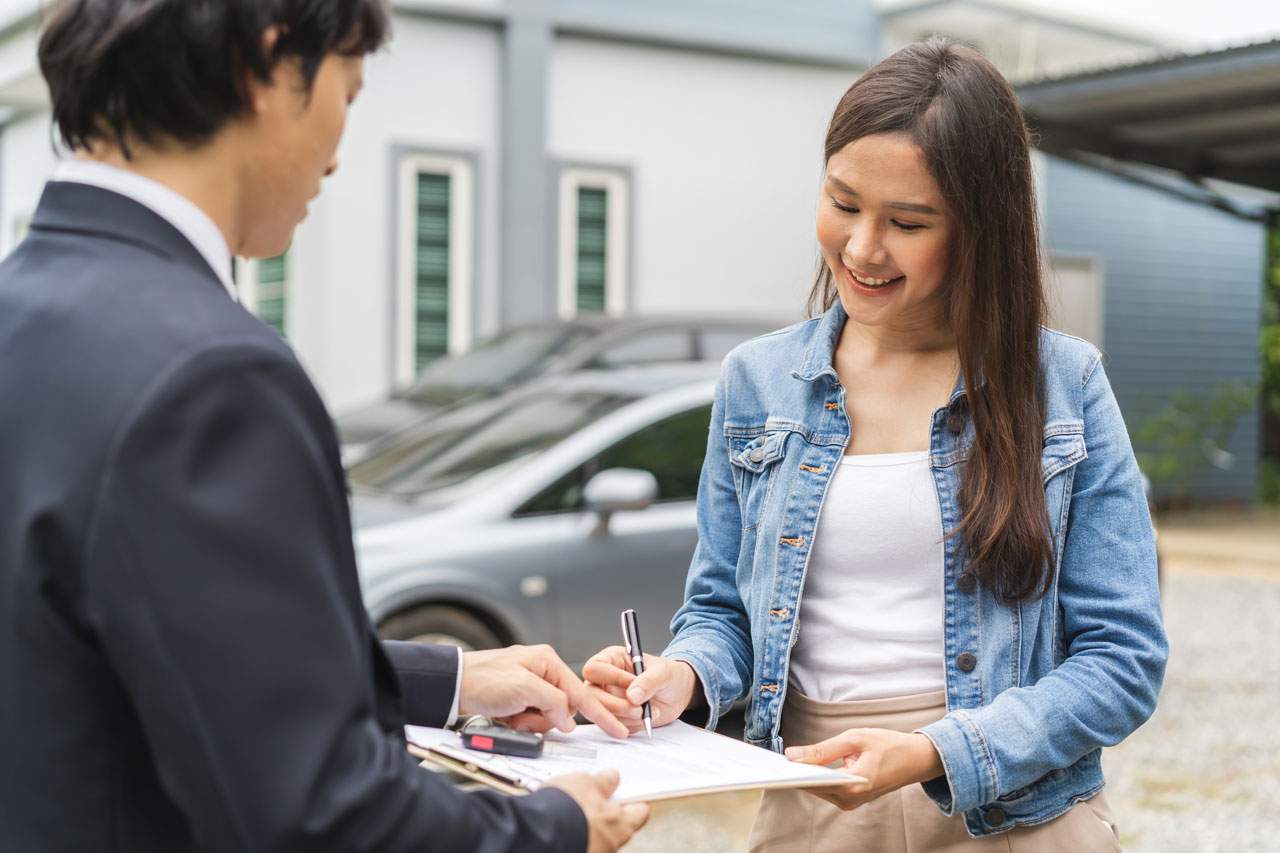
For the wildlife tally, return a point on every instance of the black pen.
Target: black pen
(631, 639)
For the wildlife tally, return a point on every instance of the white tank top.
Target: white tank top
(871, 612)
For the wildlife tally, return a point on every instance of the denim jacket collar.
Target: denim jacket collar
(819, 356)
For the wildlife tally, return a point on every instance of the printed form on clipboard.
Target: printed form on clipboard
(680, 761)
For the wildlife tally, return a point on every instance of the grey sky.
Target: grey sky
(1207, 24)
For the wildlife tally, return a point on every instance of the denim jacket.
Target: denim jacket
(1034, 689)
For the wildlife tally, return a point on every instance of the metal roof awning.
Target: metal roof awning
(1207, 117)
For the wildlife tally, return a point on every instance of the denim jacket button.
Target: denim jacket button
(966, 661)
(955, 423)
(966, 582)
(995, 816)
(756, 455)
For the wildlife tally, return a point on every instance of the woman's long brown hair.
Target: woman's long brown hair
(961, 112)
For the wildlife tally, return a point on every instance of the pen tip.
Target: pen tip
(648, 729)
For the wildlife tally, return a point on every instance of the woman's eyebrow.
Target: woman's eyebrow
(896, 205)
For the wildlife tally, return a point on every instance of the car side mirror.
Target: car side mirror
(619, 489)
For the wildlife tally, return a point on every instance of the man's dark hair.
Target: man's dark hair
(152, 69)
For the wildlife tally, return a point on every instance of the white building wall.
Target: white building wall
(27, 160)
(435, 88)
(725, 155)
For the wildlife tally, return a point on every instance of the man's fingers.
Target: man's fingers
(606, 782)
(635, 815)
(549, 699)
(594, 710)
(581, 699)
(529, 721)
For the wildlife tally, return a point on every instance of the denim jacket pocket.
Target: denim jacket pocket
(1061, 451)
(753, 459)
(1064, 448)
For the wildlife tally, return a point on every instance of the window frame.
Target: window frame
(244, 275)
(462, 205)
(616, 183)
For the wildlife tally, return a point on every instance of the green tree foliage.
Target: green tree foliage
(1188, 433)
(1269, 350)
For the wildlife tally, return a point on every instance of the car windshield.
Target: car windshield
(462, 452)
(518, 354)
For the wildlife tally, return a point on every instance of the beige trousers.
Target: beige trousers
(906, 820)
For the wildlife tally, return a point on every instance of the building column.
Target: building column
(526, 276)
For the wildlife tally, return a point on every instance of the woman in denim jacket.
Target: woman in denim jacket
(924, 549)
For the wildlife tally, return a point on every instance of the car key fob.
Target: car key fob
(501, 740)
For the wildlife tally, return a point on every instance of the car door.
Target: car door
(641, 558)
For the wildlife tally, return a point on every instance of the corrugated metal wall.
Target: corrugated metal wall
(1182, 299)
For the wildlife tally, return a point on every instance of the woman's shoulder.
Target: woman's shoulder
(1066, 358)
(772, 349)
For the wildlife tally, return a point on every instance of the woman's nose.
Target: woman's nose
(865, 248)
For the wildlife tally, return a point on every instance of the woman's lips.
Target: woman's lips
(870, 289)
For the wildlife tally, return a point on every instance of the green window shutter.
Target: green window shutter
(593, 210)
(272, 278)
(431, 278)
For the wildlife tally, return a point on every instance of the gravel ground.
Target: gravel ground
(1202, 775)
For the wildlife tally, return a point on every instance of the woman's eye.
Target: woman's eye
(843, 207)
(907, 226)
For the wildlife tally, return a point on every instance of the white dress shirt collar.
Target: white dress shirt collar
(191, 222)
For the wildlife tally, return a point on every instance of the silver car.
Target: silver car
(539, 515)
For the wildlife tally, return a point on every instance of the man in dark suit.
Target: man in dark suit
(185, 662)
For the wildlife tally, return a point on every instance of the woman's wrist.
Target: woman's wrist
(689, 679)
(925, 761)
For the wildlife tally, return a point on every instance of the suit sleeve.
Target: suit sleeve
(220, 581)
(428, 679)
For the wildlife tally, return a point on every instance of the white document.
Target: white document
(681, 760)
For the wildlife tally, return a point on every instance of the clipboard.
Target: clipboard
(650, 770)
(489, 771)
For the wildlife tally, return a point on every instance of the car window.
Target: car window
(671, 449)
(509, 357)
(716, 342)
(479, 444)
(651, 347)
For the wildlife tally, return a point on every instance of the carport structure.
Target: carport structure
(1205, 118)
(1208, 123)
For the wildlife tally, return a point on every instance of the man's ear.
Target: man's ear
(258, 92)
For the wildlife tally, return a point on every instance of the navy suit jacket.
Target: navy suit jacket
(185, 661)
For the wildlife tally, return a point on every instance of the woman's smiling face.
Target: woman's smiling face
(885, 233)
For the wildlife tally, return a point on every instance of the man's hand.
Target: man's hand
(669, 686)
(888, 760)
(529, 688)
(610, 825)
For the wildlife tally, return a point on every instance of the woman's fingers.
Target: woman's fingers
(618, 706)
(847, 743)
(847, 798)
(648, 684)
(609, 668)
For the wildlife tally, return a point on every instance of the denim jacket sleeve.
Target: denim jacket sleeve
(712, 631)
(1110, 631)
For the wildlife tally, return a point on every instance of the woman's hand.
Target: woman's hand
(888, 760)
(668, 685)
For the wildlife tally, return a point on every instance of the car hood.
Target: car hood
(373, 511)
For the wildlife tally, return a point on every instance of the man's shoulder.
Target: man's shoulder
(105, 321)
